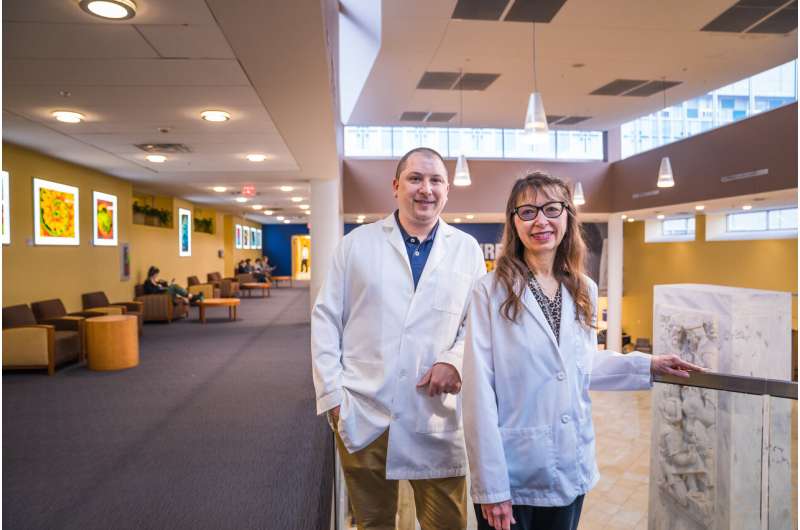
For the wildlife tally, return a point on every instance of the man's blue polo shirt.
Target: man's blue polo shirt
(418, 252)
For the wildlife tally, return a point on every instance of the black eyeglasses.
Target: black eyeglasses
(528, 212)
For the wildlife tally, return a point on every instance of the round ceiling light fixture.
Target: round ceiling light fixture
(297, 199)
(470, 216)
(215, 115)
(280, 218)
(304, 206)
(241, 199)
(700, 207)
(287, 188)
(220, 189)
(67, 116)
(255, 157)
(286, 221)
(113, 9)
(156, 159)
(257, 206)
(268, 212)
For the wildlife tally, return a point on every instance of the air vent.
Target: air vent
(553, 119)
(618, 86)
(164, 148)
(440, 117)
(743, 176)
(753, 16)
(413, 116)
(475, 81)
(479, 9)
(438, 80)
(653, 87)
(572, 120)
(534, 10)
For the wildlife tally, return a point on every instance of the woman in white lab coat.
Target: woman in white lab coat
(530, 360)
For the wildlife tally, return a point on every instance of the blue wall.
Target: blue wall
(278, 245)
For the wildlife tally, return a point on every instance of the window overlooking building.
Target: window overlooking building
(384, 142)
(765, 91)
(678, 227)
(764, 220)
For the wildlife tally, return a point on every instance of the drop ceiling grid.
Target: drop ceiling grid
(29, 40)
(61, 11)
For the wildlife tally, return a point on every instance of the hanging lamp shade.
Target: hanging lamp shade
(461, 177)
(535, 118)
(665, 179)
(577, 195)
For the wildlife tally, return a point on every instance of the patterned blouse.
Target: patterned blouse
(550, 308)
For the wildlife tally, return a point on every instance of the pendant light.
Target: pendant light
(577, 195)
(535, 118)
(461, 178)
(665, 178)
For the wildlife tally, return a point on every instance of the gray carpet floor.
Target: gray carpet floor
(215, 428)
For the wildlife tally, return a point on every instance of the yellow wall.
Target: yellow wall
(764, 264)
(32, 273)
(233, 255)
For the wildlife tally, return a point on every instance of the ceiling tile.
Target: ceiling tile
(203, 42)
(72, 41)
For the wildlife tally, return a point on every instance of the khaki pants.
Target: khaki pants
(441, 503)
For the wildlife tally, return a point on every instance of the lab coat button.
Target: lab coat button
(561, 376)
(396, 415)
(565, 419)
(402, 374)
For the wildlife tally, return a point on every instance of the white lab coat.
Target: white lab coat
(373, 337)
(527, 410)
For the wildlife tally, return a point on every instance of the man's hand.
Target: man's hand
(673, 365)
(334, 414)
(442, 377)
(498, 515)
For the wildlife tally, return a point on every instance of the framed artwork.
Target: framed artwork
(55, 213)
(184, 232)
(253, 243)
(258, 238)
(238, 242)
(104, 219)
(245, 237)
(5, 204)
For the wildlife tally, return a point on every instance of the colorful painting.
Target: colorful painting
(104, 219)
(238, 236)
(245, 237)
(184, 232)
(55, 218)
(258, 238)
(5, 216)
(253, 243)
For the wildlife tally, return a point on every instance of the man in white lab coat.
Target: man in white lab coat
(387, 345)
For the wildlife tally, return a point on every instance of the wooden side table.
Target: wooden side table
(278, 279)
(112, 342)
(249, 287)
(231, 303)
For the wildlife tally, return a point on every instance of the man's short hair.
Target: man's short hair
(426, 151)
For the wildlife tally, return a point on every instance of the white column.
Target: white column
(614, 314)
(326, 228)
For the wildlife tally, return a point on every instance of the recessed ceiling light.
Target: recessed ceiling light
(215, 115)
(747, 207)
(256, 157)
(257, 206)
(286, 222)
(470, 216)
(360, 220)
(457, 220)
(660, 216)
(297, 199)
(67, 116)
(220, 189)
(156, 159)
(304, 207)
(307, 212)
(631, 219)
(286, 188)
(280, 218)
(115, 9)
(241, 199)
(699, 207)
(268, 212)
(623, 217)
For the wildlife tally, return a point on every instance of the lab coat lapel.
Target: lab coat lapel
(395, 238)
(438, 251)
(530, 303)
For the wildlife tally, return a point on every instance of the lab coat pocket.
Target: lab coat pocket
(362, 377)
(451, 292)
(530, 457)
(440, 413)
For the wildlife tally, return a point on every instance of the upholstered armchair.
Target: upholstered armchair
(209, 290)
(160, 307)
(98, 301)
(229, 288)
(28, 345)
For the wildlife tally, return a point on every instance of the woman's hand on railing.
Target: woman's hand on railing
(673, 365)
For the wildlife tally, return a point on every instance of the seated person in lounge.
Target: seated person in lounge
(267, 268)
(152, 285)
